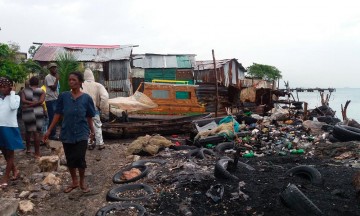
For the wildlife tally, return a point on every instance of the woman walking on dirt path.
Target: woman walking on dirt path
(10, 137)
(77, 110)
(32, 99)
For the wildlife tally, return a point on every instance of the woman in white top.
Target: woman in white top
(10, 138)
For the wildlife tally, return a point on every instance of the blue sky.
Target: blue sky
(313, 43)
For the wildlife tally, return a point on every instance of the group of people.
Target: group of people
(78, 109)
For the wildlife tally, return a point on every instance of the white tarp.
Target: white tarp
(137, 101)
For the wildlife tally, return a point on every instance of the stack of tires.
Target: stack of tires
(345, 133)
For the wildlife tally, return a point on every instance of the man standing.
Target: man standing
(51, 84)
(100, 97)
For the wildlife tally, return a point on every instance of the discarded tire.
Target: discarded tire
(117, 177)
(115, 193)
(310, 172)
(346, 133)
(120, 206)
(328, 120)
(333, 139)
(293, 198)
(203, 151)
(143, 162)
(221, 147)
(199, 153)
(221, 170)
(192, 153)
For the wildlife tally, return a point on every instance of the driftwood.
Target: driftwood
(325, 99)
(343, 110)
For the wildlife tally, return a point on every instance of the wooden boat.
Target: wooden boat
(177, 108)
(164, 127)
(172, 98)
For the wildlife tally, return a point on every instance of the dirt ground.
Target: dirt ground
(182, 184)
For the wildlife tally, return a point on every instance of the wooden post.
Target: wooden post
(216, 85)
(305, 110)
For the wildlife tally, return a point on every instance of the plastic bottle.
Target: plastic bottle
(248, 155)
(298, 151)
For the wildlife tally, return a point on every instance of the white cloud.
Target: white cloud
(314, 43)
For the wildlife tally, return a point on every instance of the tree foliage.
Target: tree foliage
(16, 68)
(266, 72)
(67, 63)
(10, 65)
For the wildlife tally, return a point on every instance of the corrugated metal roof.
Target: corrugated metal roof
(164, 60)
(80, 45)
(209, 64)
(93, 53)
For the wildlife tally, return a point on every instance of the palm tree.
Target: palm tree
(67, 63)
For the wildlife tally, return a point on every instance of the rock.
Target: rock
(38, 195)
(314, 126)
(24, 194)
(49, 163)
(8, 207)
(35, 188)
(46, 187)
(51, 179)
(37, 176)
(26, 206)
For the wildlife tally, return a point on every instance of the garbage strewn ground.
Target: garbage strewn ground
(188, 181)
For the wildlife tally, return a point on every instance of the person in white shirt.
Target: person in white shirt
(100, 97)
(10, 137)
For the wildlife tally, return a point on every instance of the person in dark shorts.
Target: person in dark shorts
(76, 110)
(32, 99)
(10, 137)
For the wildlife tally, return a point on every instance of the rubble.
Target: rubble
(8, 207)
(26, 206)
(51, 179)
(49, 163)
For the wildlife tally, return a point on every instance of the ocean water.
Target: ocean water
(340, 96)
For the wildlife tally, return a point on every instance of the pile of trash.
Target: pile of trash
(281, 133)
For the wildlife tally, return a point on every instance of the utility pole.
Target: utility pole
(216, 85)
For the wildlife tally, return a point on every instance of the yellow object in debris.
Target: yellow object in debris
(289, 122)
(170, 81)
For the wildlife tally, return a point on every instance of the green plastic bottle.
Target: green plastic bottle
(248, 155)
(297, 151)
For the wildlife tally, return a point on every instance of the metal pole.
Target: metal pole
(216, 85)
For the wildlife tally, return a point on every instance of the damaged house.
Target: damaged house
(230, 74)
(110, 63)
